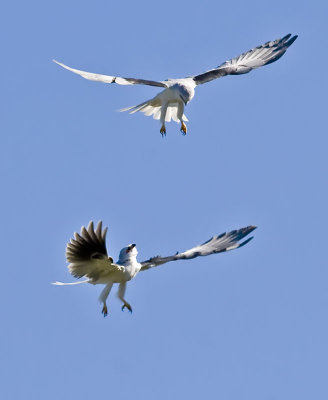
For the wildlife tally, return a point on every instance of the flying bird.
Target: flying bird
(87, 257)
(169, 103)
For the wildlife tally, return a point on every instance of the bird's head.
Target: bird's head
(128, 252)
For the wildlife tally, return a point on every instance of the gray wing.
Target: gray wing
(217, 244)
(87, 254)
(261, 55)
(111, 79)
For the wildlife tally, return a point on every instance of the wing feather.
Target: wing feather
(265, 54)
(217, 244)
(111, 79)
(87, 254)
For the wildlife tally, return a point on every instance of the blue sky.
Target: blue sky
(249, 324)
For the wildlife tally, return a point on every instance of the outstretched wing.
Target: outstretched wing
(261, 55)
(217, 244)
(111, 79)
(87, 254)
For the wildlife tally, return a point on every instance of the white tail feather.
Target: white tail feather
(69, 283)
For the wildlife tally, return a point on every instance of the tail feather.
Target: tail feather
(172, 113)
(169, 113)
(148, 110)
(157, 113)
(69, 283)
(153, 108)
(145, 105)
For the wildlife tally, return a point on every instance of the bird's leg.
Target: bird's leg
(162, 118)
(103, 297)
(183, 128)
(120, 295)
(163, 130)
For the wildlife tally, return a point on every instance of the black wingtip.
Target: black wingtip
(291, 41)
(285, 38)
(246, 241)
(247, 231)
(250, 229)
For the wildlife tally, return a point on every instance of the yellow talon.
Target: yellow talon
(183, 128)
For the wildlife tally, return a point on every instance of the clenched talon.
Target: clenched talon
(163, 130)
(127, 305)
(183, 128)
(105, 311)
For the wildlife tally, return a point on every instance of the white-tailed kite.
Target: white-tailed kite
(87, 257)
(169, 104)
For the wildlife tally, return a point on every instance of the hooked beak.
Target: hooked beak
(132, 246)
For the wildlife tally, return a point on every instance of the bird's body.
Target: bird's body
(179, 90)
(128, 259)
(169, 104)
(128, 267)
(87, 257)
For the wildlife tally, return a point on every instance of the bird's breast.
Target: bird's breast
(131, 269)
(183, 92)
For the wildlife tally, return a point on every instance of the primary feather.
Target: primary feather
(217, 244)
(254, 58)
(87, 254)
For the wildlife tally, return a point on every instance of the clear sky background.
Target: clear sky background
(249, 324)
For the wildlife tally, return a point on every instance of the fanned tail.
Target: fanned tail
(153, 107)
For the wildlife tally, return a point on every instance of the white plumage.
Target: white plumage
(87, 257)
(169, 104)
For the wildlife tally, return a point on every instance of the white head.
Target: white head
(128, 253)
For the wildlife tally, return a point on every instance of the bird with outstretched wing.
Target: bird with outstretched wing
(170, 102)
(87, 257)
